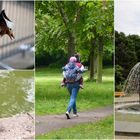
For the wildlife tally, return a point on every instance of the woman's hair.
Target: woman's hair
(77, 55)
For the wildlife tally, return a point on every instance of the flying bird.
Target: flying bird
(6, 25)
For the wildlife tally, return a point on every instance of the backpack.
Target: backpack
(71, 72)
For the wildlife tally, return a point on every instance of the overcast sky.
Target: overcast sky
(127, 16)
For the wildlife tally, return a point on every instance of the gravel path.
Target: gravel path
(17, 127)
(48, 123)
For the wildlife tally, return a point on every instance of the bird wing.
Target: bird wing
(5, 20)
(2, 20)
(4, 15)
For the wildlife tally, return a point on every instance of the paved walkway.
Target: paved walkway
(127, 127)
(126, 137)
(132, 98)
(48, 123)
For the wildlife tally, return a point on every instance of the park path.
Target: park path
(48, 123)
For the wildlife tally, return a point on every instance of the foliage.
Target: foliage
(50, 35)
(97, 22)
(119, 77)
(102, 129)
(126, 56)
(136, 42)
(53, 28)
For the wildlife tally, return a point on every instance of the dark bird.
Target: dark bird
(6, 25)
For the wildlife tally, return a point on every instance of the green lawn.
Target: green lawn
(52, 99)
(103, 129)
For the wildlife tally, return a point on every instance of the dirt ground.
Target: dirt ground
(20, 126)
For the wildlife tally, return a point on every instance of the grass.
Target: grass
(103, 129)
(52, 99)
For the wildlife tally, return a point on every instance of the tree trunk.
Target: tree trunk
(92, 59)
(95, 62)
(71, 34)
(92, 65)
(100, 60)
(139, 98)
(71, 44)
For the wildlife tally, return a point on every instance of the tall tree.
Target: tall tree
(98, 28)
(69, 26)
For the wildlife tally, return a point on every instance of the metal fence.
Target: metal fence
(21, 13)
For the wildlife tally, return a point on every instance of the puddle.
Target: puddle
(16, 92)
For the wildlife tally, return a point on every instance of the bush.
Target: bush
(119, 78)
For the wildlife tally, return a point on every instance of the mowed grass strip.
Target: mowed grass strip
(53, 99)
(103, 129)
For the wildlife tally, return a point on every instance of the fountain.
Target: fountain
(127, 108)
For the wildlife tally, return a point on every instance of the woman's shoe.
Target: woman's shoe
(75, 115)
(62, 84)
(68, 115)
(81, 86)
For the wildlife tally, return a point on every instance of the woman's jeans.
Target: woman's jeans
(73, 90)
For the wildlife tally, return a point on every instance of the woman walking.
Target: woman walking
(72, 82)
(73, 89)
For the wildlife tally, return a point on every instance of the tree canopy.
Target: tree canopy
(127, 54)
(66, 27)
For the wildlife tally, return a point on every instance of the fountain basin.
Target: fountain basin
(129, 108)
(127, 127)
(127, 118)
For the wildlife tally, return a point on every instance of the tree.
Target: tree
(71, 26)
(97, 29)
(126, 56)
(62, 18)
